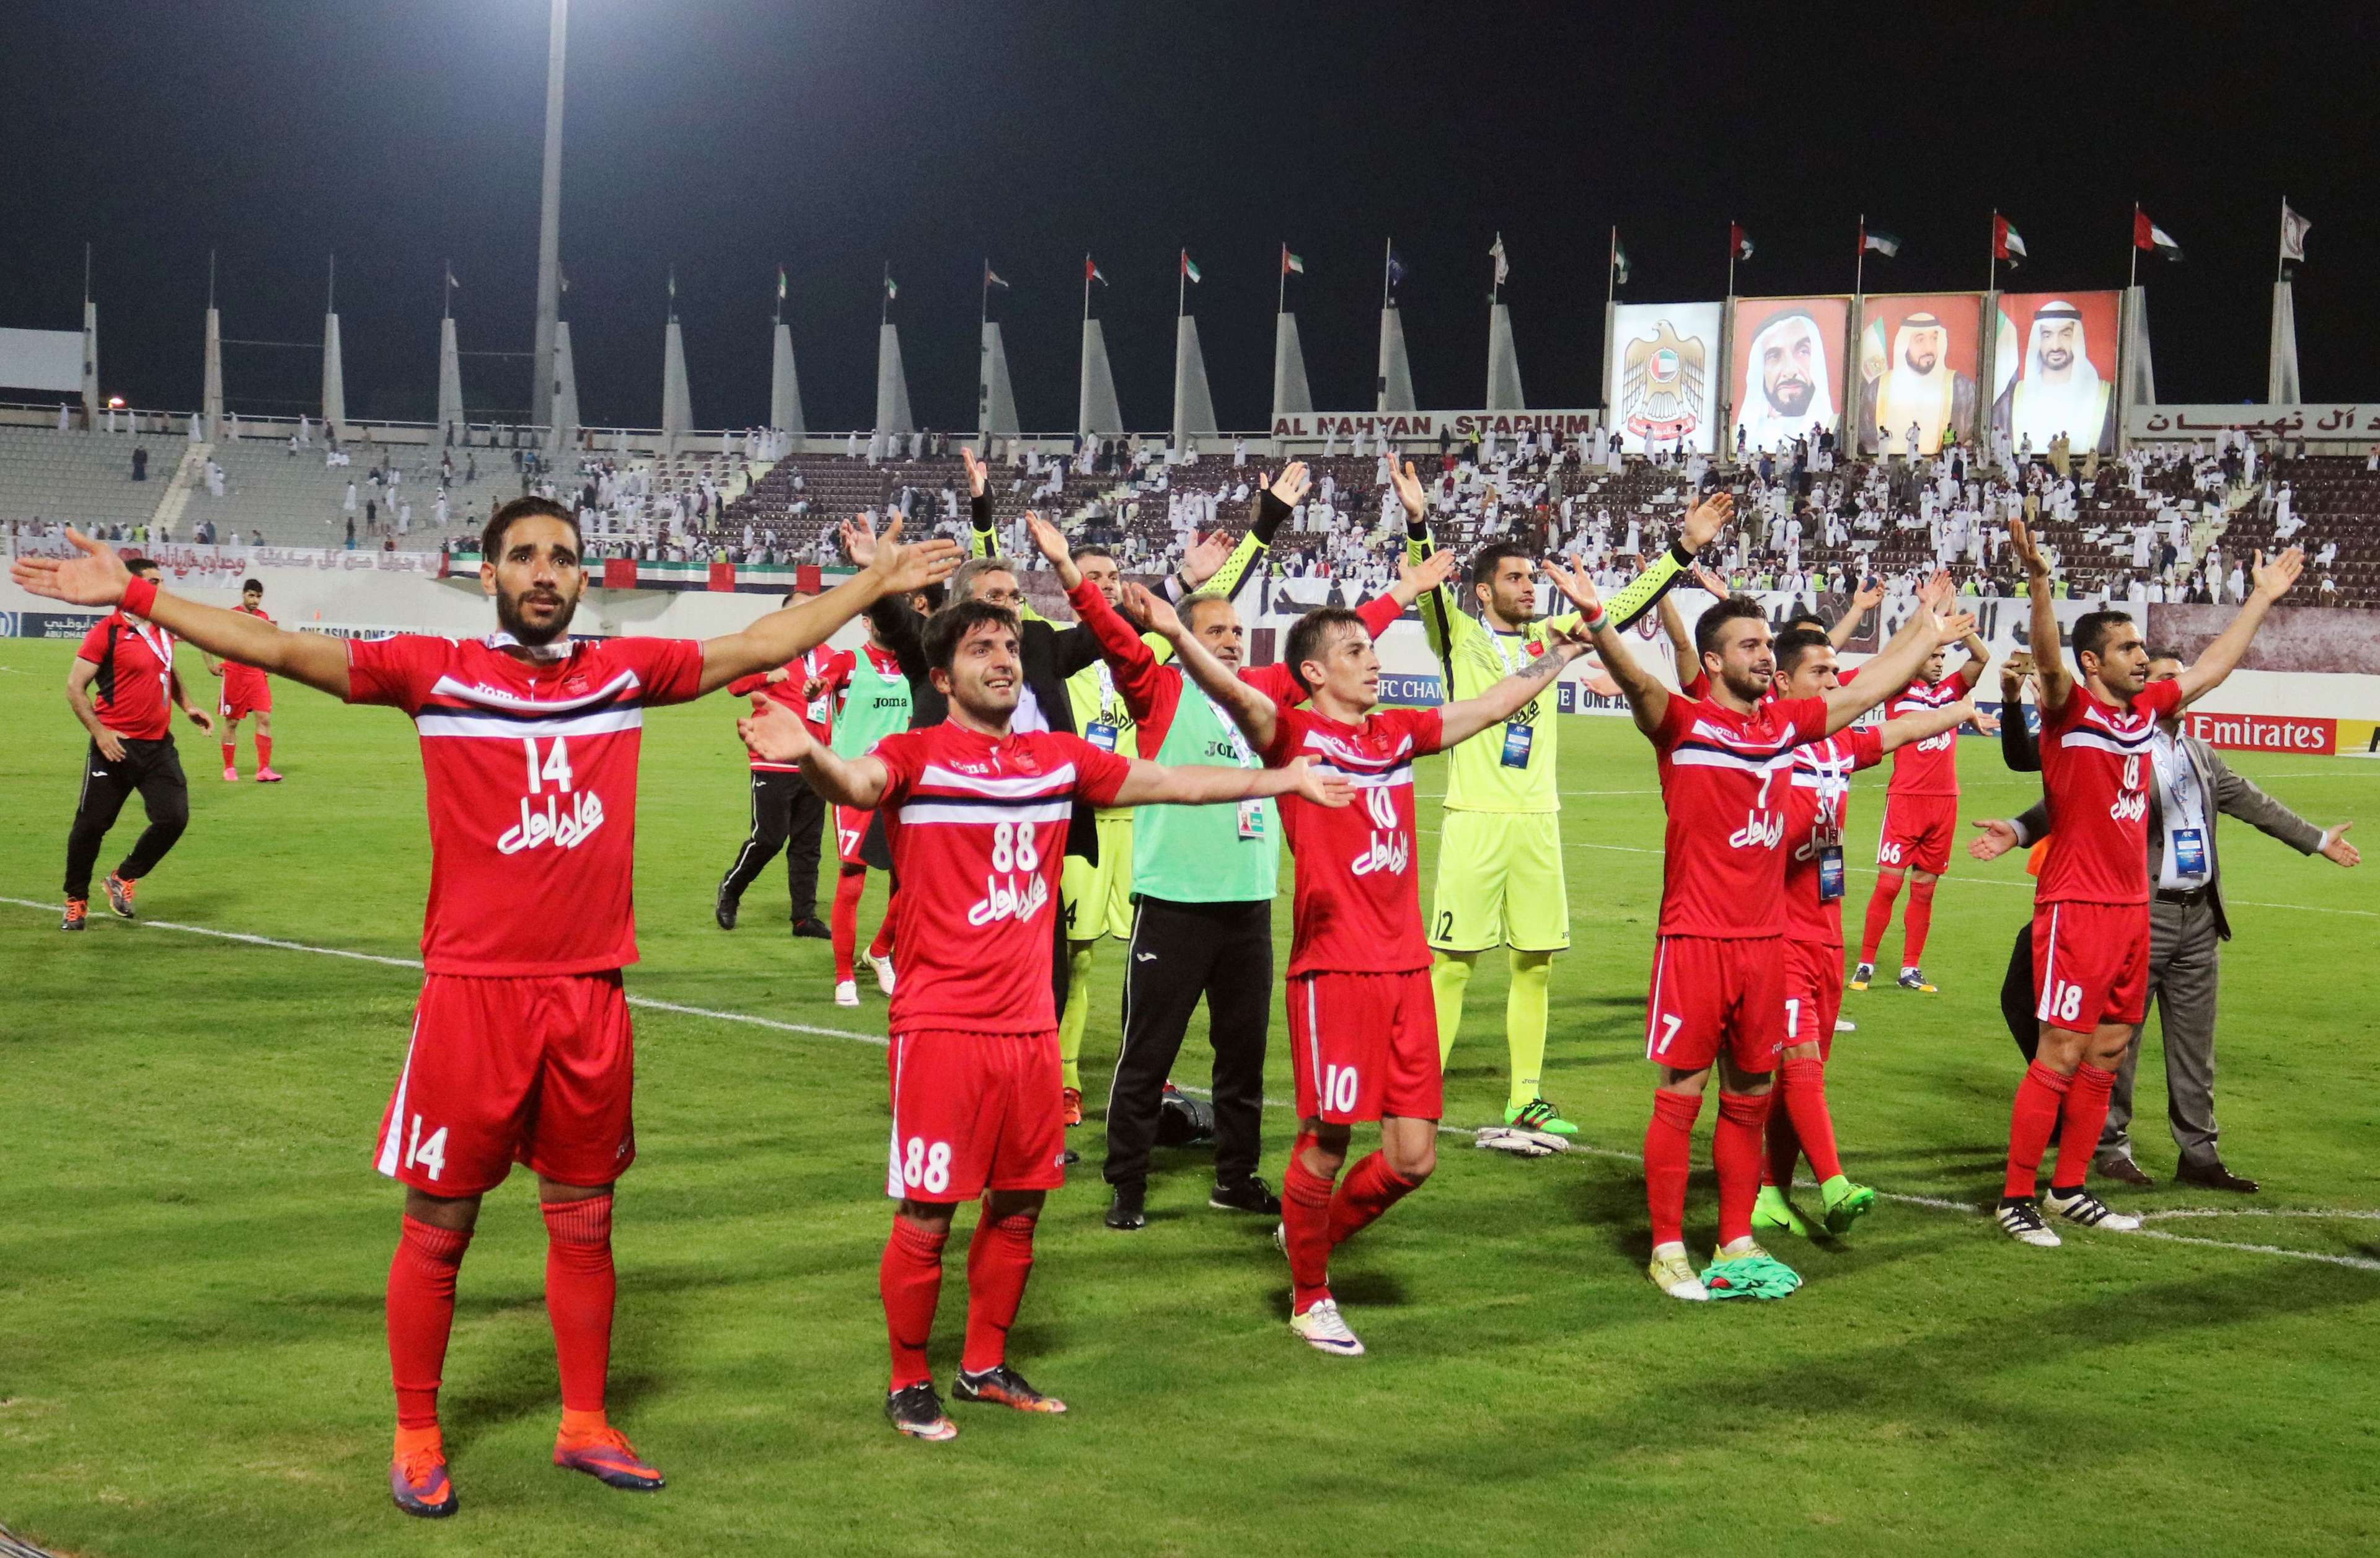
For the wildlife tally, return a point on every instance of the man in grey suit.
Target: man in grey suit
(2186, 928)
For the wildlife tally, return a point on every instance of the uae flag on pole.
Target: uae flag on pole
(1291, 263)
(891, 288)
(1618, 260)
(1091, 273)
(1880, 242)
(1739, 242)
(2007, 242)
(1190, 267)
(2149, 236)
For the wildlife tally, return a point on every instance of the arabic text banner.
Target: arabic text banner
(2359, 423)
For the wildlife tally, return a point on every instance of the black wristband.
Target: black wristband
(1683, 558)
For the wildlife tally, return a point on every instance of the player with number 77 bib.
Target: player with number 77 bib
(1363, 1027)
(976, 816)
(1717, 996)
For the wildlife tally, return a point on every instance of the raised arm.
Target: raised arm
(1224, 575)
(99, 577)
(1643, 593)
(1902, 658)
(1130, 660)
(2216, 659)
(1250, 709)
(1199, 784)
(776, 734)
(2019, 748)
(1866, 598)
(1443, 620)
(2053, 682)
(1648, 701)
(1925, 722)
(1681, 641)
(983, 541)
(895, 570)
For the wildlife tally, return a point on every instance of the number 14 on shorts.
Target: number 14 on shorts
(428, 1153)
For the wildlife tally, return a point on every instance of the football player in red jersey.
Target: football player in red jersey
(1718, 991)
(246, 690)
(1920, 816)
(2090, 907)
(521, 1050)
(976, 816)
(1363, 1022)
(1816, 809)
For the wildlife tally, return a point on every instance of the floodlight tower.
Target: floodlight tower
(549, 223)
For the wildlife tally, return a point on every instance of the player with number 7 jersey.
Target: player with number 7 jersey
(520, 1050)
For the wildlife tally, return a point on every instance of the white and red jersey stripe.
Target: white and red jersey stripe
(976, 827)
(1816, 807)
(1929, 767)
(532, 776)
(2096, 765)
(1725, 777)
(1357, 904)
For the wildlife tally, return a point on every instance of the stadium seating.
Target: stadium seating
(83, 479)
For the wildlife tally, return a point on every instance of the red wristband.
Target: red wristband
(140, 595)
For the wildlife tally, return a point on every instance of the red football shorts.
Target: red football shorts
(2090, 964)
(1707, 993)
(1813, 994)
(1917, 833)
(850, 827)
(973, 1111)
(1364, 1045)
(245, 694)
(534, 1070)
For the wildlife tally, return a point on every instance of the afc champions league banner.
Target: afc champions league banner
(1786, 368)
(1918, 358)
(1664, 386)
(2054, 367)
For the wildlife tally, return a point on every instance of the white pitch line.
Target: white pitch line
(1934, 1202)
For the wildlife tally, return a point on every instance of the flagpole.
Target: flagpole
(2135, 278)
(1495, 283)
(2280, 261)
(983, 304)
(1387, 254)
(1181, 284)
(883, 297)
(1086, 291)
(1281, 293)
(1611, 267)
(1859, 269)
(1992, 255)
(1731, 257)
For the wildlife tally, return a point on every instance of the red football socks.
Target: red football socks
(998, 1260)
(1306, 1229)
(579, 1288)
(1916, 922)
(2084, 1117)
(231, 754)
(1668, 1153)
(420, 1316)
(1369, 1190)
(843, 920)
(910, 1278)
(883, 945)
(1803, 1085)
(2039, 1100)
(1879, 915)
(1784, 1144)
(264, 751)
(1736, 1154)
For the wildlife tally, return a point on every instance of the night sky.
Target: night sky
(729, 136)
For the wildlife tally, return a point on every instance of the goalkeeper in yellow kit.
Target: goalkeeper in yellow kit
(1499, 857)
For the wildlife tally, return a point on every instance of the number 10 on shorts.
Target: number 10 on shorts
(1339, 1089)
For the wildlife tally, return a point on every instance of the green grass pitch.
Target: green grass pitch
(191, 1357)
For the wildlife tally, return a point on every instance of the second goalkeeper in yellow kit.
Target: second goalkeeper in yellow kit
(1499, 857)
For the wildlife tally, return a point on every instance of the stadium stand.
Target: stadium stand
(81, 479)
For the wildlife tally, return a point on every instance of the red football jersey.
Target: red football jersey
(1357, 905)
(243, 683)
(820, 663)
(1929, 767)
(1815, 810)
(2096, 770)
(1724, 780)
(531, 770)
(977, 832)
(132, 692)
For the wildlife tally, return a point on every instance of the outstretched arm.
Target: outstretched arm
(780, 636)
(2216, 659)
(1925, 722)
(1462, 721)
(776, 734)
(1199, 784)
(1641, 593)
(99, 577)
(2053, 682)
(1891, 671)
(1648, 701)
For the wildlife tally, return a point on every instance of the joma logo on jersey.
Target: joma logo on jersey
(563, 829)
(1761, 830)
(1007, 900)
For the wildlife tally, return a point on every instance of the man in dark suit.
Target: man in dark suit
(2187, 929)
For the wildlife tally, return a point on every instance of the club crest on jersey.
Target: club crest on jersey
(1007, 900)
(563, 829)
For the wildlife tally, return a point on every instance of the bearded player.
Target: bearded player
(246, 690)
(2091, 905)
(1499, 859)
(1362, 1024)
(1921, 817)
(976, 816)
(1718, 995)
(1816, 809)
(521, 1050)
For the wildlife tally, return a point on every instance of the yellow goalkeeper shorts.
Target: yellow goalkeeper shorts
(1500, 882)
(1097, 899)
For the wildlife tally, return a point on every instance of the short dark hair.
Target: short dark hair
(953, 622)
(1797, 641)
(1485, 562)
(1806, 619)
(255, 584)
(1197, 598)
(1093, 550)
(491, 537)
(1306, 636)
(1713, 622)
(2165, 652)
(140, 567)
(2090, 630)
